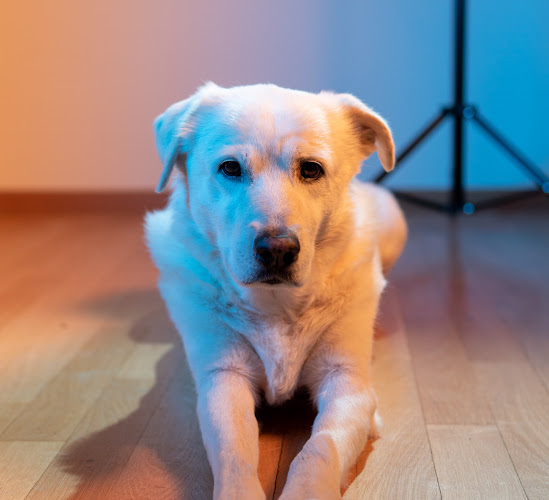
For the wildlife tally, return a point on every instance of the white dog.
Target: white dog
(271, 262)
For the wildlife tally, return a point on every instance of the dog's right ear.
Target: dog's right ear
(173, 128)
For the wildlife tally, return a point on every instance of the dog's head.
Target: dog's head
(266, 170)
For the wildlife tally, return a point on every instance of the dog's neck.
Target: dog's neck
(283, 302)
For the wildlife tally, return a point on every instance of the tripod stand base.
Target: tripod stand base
(458, 204)
(469, 207)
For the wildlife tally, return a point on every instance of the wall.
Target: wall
(82, 81)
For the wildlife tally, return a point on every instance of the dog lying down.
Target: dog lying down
(272, 261)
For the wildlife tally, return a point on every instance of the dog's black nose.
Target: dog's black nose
(276, 251)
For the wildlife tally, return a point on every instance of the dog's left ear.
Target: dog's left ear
(372, 130)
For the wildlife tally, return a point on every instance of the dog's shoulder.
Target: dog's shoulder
(164, 248)
(183, 256)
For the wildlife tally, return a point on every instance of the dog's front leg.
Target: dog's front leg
(222, 368)
(230, 433)
(337, 375)
(345, 408)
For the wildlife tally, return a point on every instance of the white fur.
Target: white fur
(243, 338)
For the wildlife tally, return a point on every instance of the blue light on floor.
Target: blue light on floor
(468, 208)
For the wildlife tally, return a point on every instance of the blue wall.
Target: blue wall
(397, 56)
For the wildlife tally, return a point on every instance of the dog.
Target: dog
(272, 260)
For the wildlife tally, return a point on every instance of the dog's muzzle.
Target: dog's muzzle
(276, 252)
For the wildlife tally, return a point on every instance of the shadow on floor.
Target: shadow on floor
(155, 450)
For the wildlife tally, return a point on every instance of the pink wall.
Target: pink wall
(81, 82)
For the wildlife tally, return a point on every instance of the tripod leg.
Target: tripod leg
(416, 141)
(534, 172)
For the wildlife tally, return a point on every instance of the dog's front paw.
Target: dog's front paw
(311, 490)
(314, 473)
(319, 483)
(376, 425)
(242, 490)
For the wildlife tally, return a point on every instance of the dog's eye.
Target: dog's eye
(311, 170)
(231, 168)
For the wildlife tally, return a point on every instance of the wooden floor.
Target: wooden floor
(96, 401)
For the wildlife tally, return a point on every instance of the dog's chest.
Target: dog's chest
(283, 350)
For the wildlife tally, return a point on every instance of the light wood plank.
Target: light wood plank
(50, 242)
(169, 460)
(516, 276)
(518, 398)
(83, 379)
(270, 448)
(521, 407)
(96, 453)
(34, 342)
(90, 464)
(23, 462)
(472, 463)
(50, 280)
(445, 377)
(77, 385)
(142, 362)
(8, 413)
(526, 315)
(35, 346)
(82, 242)
(23, 237)
(38, 267)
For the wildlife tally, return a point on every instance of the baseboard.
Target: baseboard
(140, 201)
(68, 202)
(481, 199)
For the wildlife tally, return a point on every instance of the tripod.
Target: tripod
(461, 111)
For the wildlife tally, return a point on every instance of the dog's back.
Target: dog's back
(390, 224)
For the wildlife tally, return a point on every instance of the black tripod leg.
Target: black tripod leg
(416, 142)
(534, 172)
